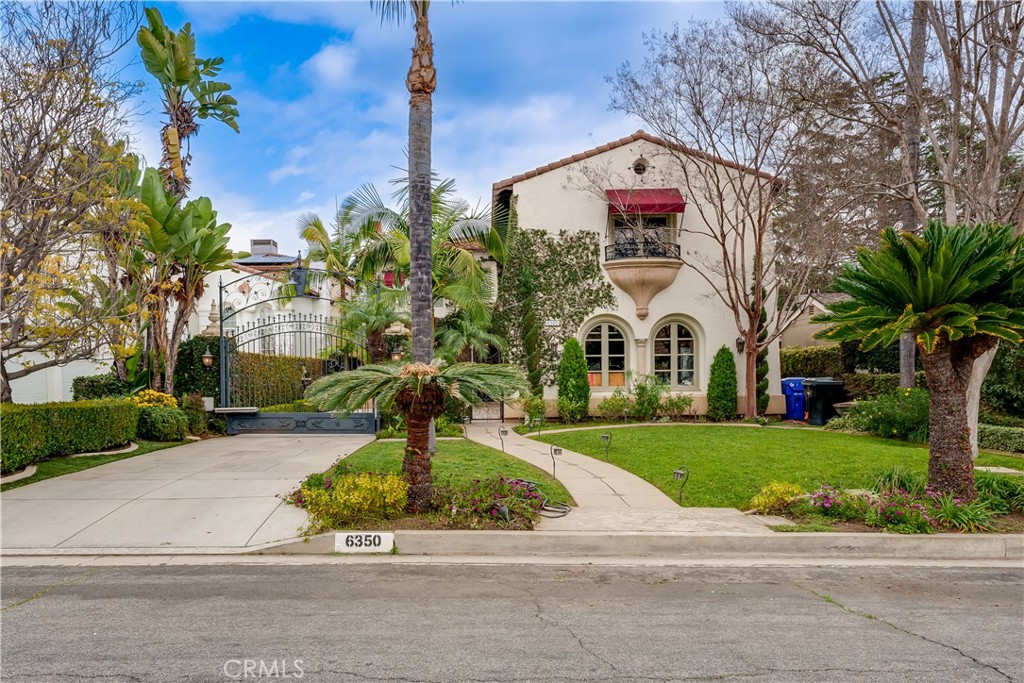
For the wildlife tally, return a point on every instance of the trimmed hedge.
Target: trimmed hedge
(1001, 438)
(860, 386)
(163, 424)
(88, 387)
(36, 431)
(190, 375)
(262, 380)
(195, 411)
(811, 361)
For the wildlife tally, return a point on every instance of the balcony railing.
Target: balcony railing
(641, 249)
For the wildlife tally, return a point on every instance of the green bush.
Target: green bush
(534, 409)
(1001, 438)
(775, 498)
(262, 380)
(722, 391)
(811, 361)
(881, 359)
(89, 387)
(618, 405)
(352, 498)
(902, 414)
(647, 394)
(195, 411)
(676, 406)
(33, 432)
(573, 383)
(860, 386)
(190, 375)
(1003, 389)
(162, 424)
(990, 418)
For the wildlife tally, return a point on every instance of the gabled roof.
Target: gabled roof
(635, 137)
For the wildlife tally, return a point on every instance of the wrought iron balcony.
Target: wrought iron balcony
(641, 249)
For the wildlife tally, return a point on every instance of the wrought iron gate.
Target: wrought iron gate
(269, 356)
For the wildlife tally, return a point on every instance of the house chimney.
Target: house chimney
(262, 247)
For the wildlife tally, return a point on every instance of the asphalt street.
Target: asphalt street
(451, 623)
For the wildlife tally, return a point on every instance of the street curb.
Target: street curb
(668, 544)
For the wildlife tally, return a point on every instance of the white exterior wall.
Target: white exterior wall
(564, 198)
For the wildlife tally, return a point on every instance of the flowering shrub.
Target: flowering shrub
(153, 399)
(508, 503)
(901, 415)
(335, 502)
(775, 498)
(832, 502)
(899, 511)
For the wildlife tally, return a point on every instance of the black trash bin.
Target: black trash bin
(820, 395)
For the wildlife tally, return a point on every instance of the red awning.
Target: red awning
(645, 201)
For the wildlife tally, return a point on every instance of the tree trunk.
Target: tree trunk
(750, 380)
(908, 361)
(949, 368)
(5, 384)
(978, 373)
(416, 464)
(421, 81)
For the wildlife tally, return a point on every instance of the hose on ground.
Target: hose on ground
(549, 509)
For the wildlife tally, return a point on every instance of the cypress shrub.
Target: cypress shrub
(36, 431)
(573, 383)
(722, 389)
(162, 424)
(762, 363)
(195, 411)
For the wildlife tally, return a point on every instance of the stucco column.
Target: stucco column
(641, 356)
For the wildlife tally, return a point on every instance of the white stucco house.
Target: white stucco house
(801, 330)
(668, 321)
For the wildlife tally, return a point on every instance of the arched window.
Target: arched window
(675, 355)
(605, 349)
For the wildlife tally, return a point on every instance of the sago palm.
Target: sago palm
(419, 392)
(960, 291)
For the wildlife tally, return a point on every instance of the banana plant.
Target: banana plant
(183, 243)
(188, 92)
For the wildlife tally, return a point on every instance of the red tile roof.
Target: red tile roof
(639, 135)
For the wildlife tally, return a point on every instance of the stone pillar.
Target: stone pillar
(641, 356)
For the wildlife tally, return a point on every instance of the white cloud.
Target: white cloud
(305, 197)
(332, 67)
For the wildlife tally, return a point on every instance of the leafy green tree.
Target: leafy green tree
(960, 291)
(573, 383)
(366, 318)
(188, 92)
(722, 388)
(419, 392)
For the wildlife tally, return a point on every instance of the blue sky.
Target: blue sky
(321, 91)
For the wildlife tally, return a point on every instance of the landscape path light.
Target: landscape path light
(502, 433)
(555, 451)
(681, 475)
(606, 438)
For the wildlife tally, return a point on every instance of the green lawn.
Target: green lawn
(729, 465)
(457, 462)
(60, 466)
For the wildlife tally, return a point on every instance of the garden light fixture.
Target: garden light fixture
(502, 433)
(741, 344)
(681, 475)
(207, 358)
(606, 438)
(555, 451)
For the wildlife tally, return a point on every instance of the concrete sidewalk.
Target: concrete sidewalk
(219, 493)
(610, 498)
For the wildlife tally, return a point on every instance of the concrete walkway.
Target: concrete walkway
(610, 498)
(219, 493)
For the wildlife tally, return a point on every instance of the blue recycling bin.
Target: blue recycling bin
(793, 390)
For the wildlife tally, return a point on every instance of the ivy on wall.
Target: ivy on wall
(547, 277)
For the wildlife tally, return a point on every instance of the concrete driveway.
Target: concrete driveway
(220, 493)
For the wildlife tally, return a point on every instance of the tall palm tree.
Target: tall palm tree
(384, 236)
(421, 82)
(459, 336)
(960, 291)
(419, 391)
